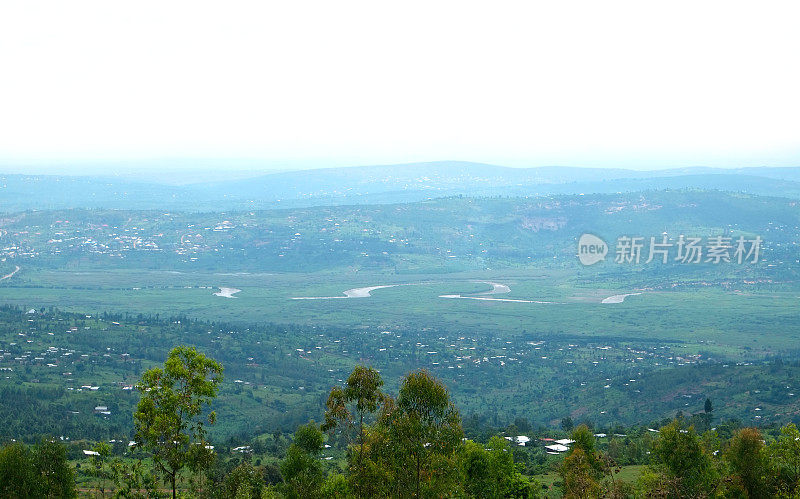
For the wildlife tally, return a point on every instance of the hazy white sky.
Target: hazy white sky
(632, 84)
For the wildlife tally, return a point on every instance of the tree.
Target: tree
(363, 390)
(490, 471)
(99, 464)
(477, 469)
(309, 438)
(55, 474)
(585, 441)
(583, 466)
(748, 461)
(411, 449)
(567, 424)
(132, 480)
(427, 427)
(579, 476)
(301, 469)
(336, 486)
(785, 457)
(18, 477)
(271, 474)
(41, 472)
(685, 465)
(168, 417)
(384, 469)
(244, 480)
(708, 407)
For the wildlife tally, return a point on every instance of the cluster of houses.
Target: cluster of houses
(464, 352)
(185, 239)
(551, 446)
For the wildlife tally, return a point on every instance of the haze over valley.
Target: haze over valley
(265, 250)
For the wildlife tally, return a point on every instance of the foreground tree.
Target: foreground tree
(18, 472)
(349, 407)
(426, 427)
(583, 466)
(411, 449)
(747, 458)
(490, 471)
(133, 480)
(55, 473)
(169, 417)
(99, 461)
(579, 476)
(682, 467)
(41, 472)
(785, 459)
(244, 480)
(301, 469)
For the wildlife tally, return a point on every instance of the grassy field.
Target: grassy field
(716, 319)
(658, 352)
(629, 474)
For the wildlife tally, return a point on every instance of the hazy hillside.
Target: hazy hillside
(369, 185)
(445, 234)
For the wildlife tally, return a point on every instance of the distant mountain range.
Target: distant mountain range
(371, 185)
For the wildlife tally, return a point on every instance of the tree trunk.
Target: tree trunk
(361, 434)
(174, 490)
(418, 466)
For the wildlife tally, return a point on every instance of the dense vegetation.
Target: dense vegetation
(412, 445)
(441, 235)
(96, 300)
(58, 367)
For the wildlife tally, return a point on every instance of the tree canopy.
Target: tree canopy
(169, 418)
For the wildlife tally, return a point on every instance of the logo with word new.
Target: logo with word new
(591, 249)
(634, 250)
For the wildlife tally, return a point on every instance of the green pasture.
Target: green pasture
(628, 474)
(714, 319)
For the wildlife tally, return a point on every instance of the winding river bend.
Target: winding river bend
(227, 292)
(350, 293)
(618, 298)
(365, 292)
(497, 289)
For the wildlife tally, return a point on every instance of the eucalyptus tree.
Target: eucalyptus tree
(170, 417)
(426, 427)
(349, 406)
(301, 468)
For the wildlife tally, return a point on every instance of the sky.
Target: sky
(627, 84)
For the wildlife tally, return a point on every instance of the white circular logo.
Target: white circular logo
(591, 249)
